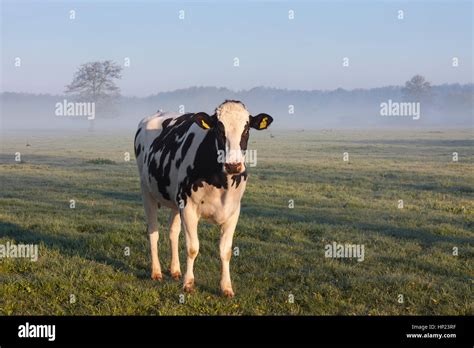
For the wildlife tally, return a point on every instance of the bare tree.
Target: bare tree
(417, 89)
(95, 82)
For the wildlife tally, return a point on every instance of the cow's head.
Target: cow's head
(231, 124)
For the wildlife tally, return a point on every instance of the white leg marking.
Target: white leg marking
(151, 214)
(175, 229)
(190, 224)
(225, 248)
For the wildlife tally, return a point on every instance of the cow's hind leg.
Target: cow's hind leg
(151, 212)
(175, 229)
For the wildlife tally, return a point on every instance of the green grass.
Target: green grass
(407, 251)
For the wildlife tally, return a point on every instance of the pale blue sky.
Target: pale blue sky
(305, 53)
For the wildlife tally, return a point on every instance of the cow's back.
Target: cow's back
(149, 129)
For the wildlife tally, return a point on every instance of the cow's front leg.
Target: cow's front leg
(190, 223)
(175, 228)
(225, 248)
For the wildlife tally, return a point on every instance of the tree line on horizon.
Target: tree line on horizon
(98, 82)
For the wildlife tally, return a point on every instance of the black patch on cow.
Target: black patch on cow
(167, 144)
(236, 179)
(157, 172)
(185, 148)
(137, 149)
(244, 138)
(220, 135)
(166, 122)
(175, 129)
(206, 168)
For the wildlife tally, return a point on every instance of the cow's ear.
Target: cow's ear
(203, 120)
(261, 121)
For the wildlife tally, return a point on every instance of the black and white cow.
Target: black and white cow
(194, 164)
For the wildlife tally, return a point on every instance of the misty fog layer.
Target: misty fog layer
(448, 106)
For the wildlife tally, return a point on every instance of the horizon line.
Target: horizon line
(248, 90)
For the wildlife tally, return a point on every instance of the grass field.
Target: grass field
(408, 251)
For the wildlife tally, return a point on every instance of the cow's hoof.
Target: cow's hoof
(189, 287)
(228, 293)
(157, 276)
(176, 275)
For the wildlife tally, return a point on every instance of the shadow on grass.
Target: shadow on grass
(81, 247)
(428, 268)
(66, 245)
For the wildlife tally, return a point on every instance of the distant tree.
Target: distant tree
(417, 88)
(96, 81)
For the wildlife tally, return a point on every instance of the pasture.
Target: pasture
(281, 250)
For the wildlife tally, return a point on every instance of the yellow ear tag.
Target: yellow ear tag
(263, 123)
(204, 124)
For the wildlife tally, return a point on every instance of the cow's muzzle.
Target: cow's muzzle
(234, 168)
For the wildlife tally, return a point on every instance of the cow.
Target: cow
(194, 164)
